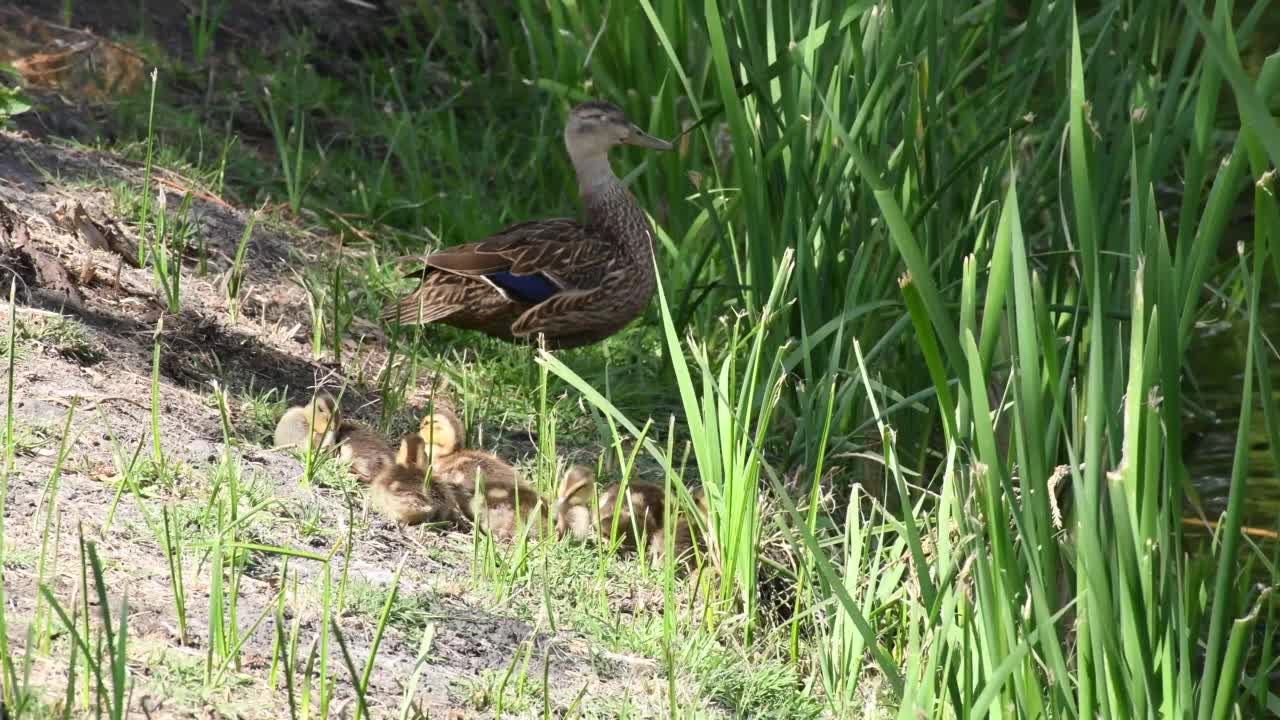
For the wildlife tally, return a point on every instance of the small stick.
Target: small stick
(95, 402)
(1212, 525)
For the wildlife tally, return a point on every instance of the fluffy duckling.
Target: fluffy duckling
(506, 509)
(314, 424)
(634, 515)
(398, 491)
(683, 537)
(364, 449)
(577, 510)
(450, 462)
(505, 504)
(640, 513)
(367, 452)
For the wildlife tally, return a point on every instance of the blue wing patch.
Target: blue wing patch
(531, 289)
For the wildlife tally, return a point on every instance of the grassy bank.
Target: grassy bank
(929, 274)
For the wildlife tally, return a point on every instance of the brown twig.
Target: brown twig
(1211, 525)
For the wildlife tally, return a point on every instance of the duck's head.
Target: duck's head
(595, 127)
(700, 503)
(412, 452)
(321, 413)
(578, 483)
(442, 431)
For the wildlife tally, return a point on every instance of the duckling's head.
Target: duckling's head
(412, 452)
(596, 126)
(442, 430)
(321, 413)
(700, 504)
(577, 484)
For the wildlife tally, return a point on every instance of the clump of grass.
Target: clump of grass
(164, 477)
(407, 613)
(66, 336)
(170, 239)
(318, 296)
(26, 438)
(203, 26)
(256, 412)
(13, 101)
(235, 275)
(281, 107)
(105, 653)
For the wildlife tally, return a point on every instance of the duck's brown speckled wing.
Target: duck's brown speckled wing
(577, 317)
(470, 285)
(559, 249)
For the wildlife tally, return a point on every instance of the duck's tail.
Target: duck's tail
(419, 308)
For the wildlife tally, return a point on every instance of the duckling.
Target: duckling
(494, 509)
(577, 508)
(364, 449)
(683, 538)
(399, 493)
(632, 516)
(313, 424)
(505, 509)
(642, 513)
(442, 432)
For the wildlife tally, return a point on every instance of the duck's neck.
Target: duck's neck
(609, 205)
(595, 175)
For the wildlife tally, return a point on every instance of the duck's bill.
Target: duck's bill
(643, 139)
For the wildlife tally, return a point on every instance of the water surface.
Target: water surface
(1215, 364)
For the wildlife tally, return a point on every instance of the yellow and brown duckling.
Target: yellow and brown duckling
(404, 494)
(508, 510)
(684, 538)
(584, 512)
(442, 431)
(321, 421)
(577, 508)
(365, 450)
(497, 500)
(312, 425)
(572, 283)
(650, 518)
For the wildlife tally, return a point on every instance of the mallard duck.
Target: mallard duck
(572, 283)
(505, 503)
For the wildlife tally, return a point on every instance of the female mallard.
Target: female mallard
(573, 283)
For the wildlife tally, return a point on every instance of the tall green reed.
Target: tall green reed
(10, 676)
(105, 656)
(203, 25)
(170, 238)
(235, 275)
(1028, 364)
(288, 132)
